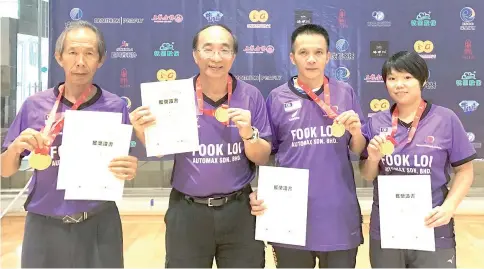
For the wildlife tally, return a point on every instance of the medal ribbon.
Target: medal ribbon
(326, 105)
(52, 129)
(211, 112)
(413, 129)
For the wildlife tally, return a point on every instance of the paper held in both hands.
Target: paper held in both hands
(173, 105)
(285, 193)
(404, 201)
(90, 141)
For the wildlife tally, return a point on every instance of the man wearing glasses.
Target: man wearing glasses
(209, 213)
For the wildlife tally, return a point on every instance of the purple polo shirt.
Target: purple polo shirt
(439, 143)
(44, 198)
(302, 139)
(221, 166)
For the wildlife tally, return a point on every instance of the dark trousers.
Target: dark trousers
(94, 243)
(197, 233)
(404, 258)
(296, 258)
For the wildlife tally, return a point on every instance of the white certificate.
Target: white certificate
(173, 104)
(77, 124)
(285, 194)
(84, 167)
(404, 201)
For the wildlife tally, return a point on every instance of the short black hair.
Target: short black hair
(404, 61)
(234, 38)
(309, 29)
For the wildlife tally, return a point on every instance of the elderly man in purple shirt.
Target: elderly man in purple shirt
(58, 232)
(209, 213)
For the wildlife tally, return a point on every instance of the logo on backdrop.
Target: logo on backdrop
(124, 52)
(379, 105)
(424, 49)
(163, 75)
(259, 49)
(167, 18)
(471, 136)
(213, 16)
(379, 49)
(302, 17)
(468, 55)
(342, 46)
(469, 105)
(259, 18)
(127, 101)
(76, 14)
(259, 77)
(342, 73)
(467, 15)
(378, 20)
(342, 19)
(118, 20)
(123, 79)
(374, 78)
(468, 79)
(423, 19)
(430, 85)
(166, 50)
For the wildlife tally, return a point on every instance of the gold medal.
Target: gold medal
(222, 114)
(337, 129)
(387, 148)
(40, 161)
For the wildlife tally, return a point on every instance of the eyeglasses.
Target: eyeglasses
(208, 53)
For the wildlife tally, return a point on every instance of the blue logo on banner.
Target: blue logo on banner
(378, 15)
(342, 73)
(76, 14)
(213, 16)
(467, 14)
(342, 45)
(469, 106)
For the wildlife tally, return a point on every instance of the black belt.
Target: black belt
(82, 216)
(218, 200)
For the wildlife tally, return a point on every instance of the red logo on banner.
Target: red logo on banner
(468, 50)
(342, 19)
(123, 81)
(259, 49)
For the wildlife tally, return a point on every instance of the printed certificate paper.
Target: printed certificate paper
(404, 201)
(173, 104)
(91, 140)
(285, 193)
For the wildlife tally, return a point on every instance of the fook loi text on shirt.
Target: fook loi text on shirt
(55, 155)
(214, 153)
(312, 136)
(413, 164)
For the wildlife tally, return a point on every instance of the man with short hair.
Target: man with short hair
(329, 109)
(209, 213)
(58, 232)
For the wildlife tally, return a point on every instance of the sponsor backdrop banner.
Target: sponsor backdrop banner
(150, 40)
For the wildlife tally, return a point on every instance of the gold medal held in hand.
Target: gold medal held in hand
(337, 129)
(387, 148)
(40, 161)
(222, 114)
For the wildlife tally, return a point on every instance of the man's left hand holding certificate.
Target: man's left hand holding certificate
(166, 122)
(280, 205)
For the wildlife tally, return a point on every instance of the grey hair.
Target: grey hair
(101, 43)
